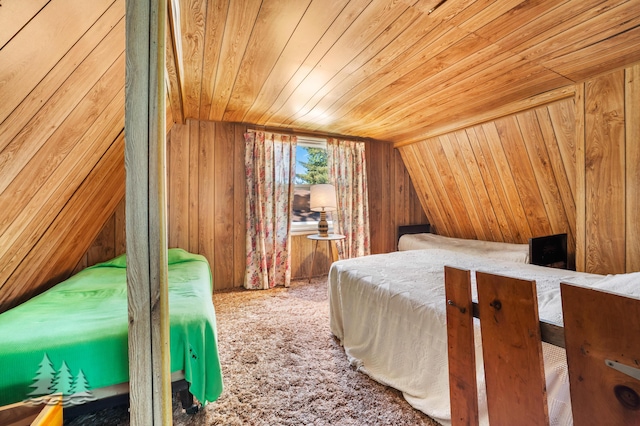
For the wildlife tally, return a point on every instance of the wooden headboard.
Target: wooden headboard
(550, 250)
(423, 228)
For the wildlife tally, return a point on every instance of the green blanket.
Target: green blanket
(73, 337)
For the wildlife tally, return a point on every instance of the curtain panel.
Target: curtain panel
(348, 173)
(270, 170)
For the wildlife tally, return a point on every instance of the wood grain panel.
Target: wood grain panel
(632, 161)
(223, 212)
(504, 180)
(72, 67)
(607, 176)
(564, 171)
(178, 185)
(34, 198)
(19, 75)
(194, 185)
(192, 23)
(214, 30)
(400, 33)
(15, 15)
(44, 207)
(110, 242)
(174, 102)
(24, 138)
(204, 170)
(358, 35)
(314, 51)
(545, 193)
(204, 223)
(239, 207)
(598, 392)
(446, 189)
(257, 62)
(605, 173)
(56, 148)
(311, 28)
(73, 229)
(463, 388)
(523, 176)
(494, 148)
(407, 210)
(412, 163)
(581, 203)
(512, 350)
(421, 44)
(461, 178)
(474, 181)
(301, 257)
(104, 246)
(237, 31)
(493, 187)
(375, 184)
(432, 185)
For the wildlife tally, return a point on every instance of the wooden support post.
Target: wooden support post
(149, 363)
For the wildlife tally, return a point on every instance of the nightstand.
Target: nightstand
(328, 239)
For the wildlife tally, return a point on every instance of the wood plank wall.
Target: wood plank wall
(206, 203)
(507, 180)
(609, 173)
(110, 242)
(61, 122)
(568, 166)
(393, 201)
(206, 195)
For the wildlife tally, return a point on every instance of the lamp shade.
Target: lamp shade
(323, 198)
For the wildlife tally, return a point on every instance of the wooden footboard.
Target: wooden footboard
(601, 338)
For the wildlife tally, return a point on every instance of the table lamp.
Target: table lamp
(323, 200)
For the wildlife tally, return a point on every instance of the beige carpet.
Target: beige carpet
(282, 366)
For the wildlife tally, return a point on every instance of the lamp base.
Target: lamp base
(323, 225)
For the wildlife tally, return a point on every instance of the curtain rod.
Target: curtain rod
(309, 135)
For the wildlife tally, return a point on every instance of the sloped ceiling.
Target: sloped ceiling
(389, 70)
(61, 136)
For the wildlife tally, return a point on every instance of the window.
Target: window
(311, 168)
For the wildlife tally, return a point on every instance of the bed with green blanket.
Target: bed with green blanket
(72, 338)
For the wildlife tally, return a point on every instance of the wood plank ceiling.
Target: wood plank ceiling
(388, 70)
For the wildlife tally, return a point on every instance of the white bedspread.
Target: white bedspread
(491, 249)
(389, 312)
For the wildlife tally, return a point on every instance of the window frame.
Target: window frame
(308, 227)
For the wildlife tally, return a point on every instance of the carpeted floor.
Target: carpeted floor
(282, 366)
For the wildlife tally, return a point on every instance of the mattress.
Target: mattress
(73, 337)
(389, 313)
(490, 249)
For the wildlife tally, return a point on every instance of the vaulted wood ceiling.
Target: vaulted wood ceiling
(390, 70)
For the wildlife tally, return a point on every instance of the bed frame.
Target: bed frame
(548, 250)
(118, 395)
(600, 336)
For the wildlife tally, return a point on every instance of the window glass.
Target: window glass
(311, 169)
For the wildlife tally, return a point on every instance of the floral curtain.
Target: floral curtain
(270, 170)
(348, 173)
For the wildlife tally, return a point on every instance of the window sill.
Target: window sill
(307, 228)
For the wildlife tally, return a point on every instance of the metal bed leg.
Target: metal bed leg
(186, 399)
